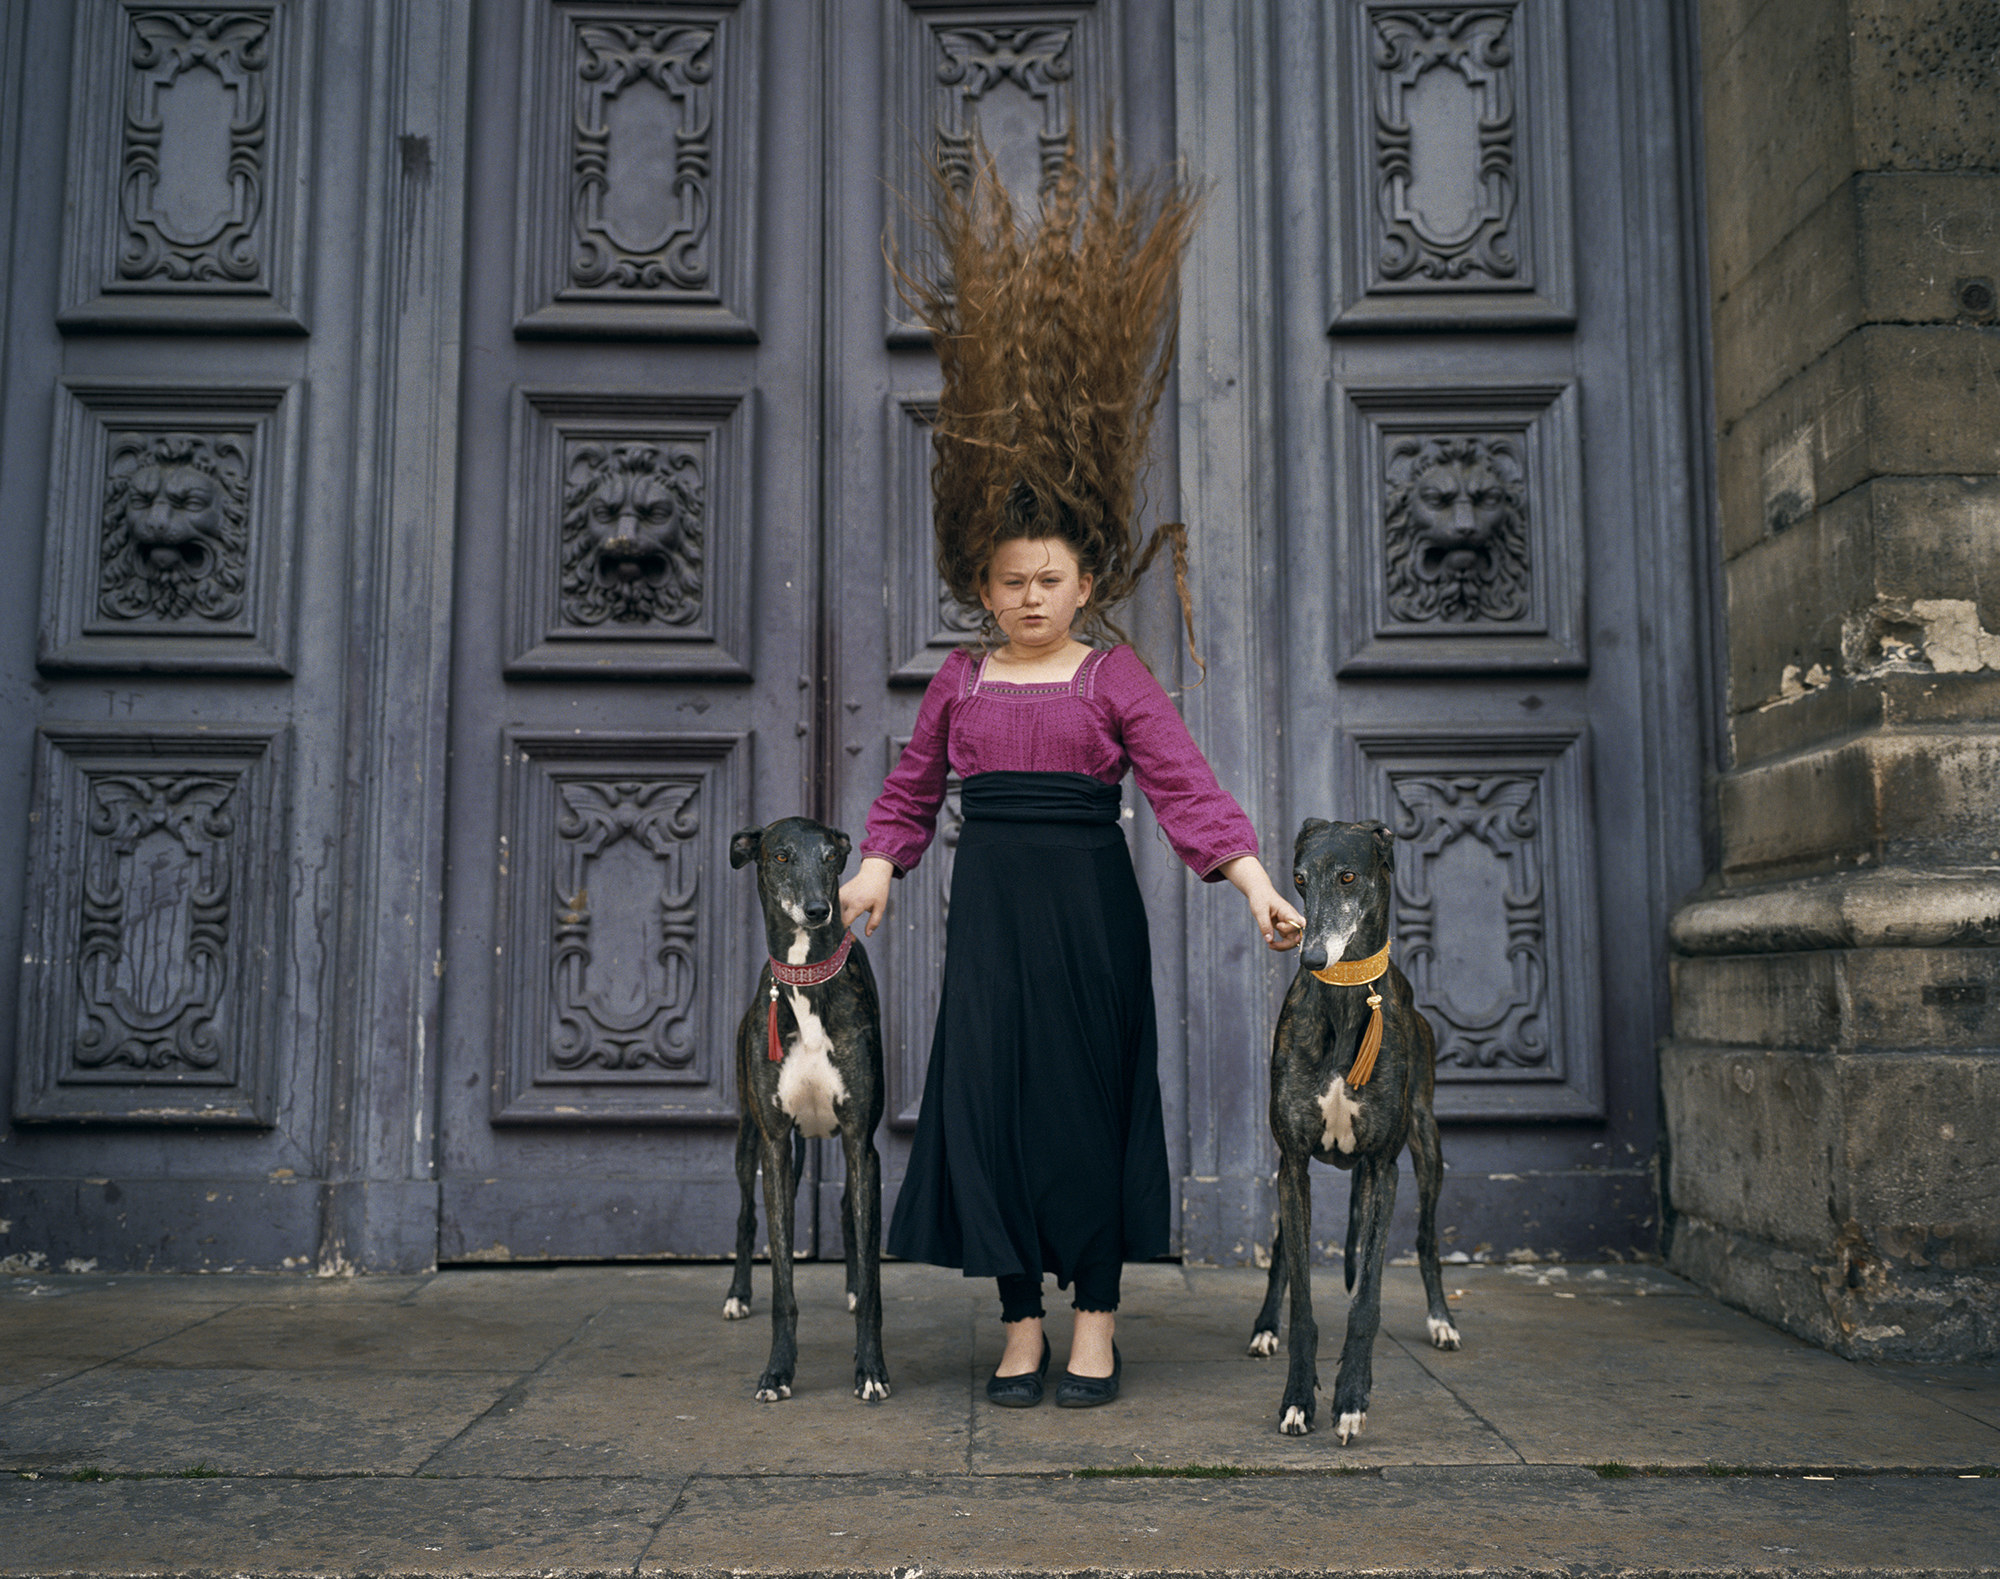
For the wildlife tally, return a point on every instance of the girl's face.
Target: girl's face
(1033, 588)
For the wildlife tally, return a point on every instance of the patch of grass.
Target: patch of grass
(1613, 1470)
(89, 1472)
(1207, 1471)
(192, 1472)
(1720, 1470)
(200, 1472)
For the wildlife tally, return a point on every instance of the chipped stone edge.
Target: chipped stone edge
(1882, 908)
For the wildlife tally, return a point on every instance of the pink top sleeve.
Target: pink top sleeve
(903, 819)
(1199, 817)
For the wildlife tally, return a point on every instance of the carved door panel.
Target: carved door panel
(635, 590)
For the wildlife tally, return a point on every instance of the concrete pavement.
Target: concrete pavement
(599, 1420)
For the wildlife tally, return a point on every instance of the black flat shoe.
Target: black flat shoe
(1019, 1392)
(1086, 1392)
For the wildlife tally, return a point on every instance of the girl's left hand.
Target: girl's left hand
(1280, 926)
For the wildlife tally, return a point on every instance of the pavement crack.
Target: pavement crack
(1423, 1364)
(512, 1396)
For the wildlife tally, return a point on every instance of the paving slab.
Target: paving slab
(601, 1419)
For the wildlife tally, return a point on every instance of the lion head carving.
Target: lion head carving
(632, 535)
(1457, 528)
(176, 526)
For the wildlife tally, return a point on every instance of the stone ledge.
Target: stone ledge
(1859, 1307)
(1882, 908)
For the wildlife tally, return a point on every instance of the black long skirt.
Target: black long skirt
(1039, 1144)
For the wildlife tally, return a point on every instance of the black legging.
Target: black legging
(1096, 1292)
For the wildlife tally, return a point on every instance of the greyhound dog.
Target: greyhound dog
(808, 1062)
(1336, 1098)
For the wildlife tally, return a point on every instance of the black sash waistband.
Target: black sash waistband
(1040, 797)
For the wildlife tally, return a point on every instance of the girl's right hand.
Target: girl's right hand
(867, 893)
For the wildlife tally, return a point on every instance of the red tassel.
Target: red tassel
(772, 1050)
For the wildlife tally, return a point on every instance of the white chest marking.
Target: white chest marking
(1337, 1108)
(796, 954)
(808, 1084)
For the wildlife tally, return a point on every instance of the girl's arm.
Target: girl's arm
(903, 820)
(1270, 912)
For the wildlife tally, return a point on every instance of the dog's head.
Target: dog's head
(799, 863)
(1344, 873)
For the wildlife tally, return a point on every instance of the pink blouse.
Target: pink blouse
(1110, 716)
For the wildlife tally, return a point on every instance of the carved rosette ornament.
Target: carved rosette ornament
(1447, 208)
(632, 534)
(176, 527)
(1470, 917)
(1035, 57)
(1455, 525)
(642, 158)
(152, 964)
(623, 988)
(184, 223)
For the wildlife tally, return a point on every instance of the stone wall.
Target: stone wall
(1832, 1087)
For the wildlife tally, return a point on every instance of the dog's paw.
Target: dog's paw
(1350, 1425)
(1264, 1343)
(1443, 1334)
(1295, 1421)
(770, 1392)
(853, 1300)
(734, 1309)
(871, 1389)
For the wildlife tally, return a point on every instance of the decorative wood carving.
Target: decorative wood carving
(1455, 517)
(638, 170)
(150, 984)
(629, 534)
(1459, 529)
(176, 527)
(1454, 164)
(623, 962)
(1496, 912)
(649, 231)
(186, 180)
(183, 222)
(171, 532)
(910, 957)
(1024, 79)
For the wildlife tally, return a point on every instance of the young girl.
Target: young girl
(1039, 1144)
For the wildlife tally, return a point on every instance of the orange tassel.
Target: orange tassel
(1371, 1044)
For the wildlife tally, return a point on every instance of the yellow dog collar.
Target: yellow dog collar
(1359, 973)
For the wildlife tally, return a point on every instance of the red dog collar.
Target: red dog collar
(810, 975)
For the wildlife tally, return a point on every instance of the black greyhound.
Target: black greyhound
(1326, 1102)
(808, 1062)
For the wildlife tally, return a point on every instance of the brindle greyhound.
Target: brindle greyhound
(1326, 1103)
(808, 1062)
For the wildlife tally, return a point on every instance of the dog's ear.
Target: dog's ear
(1307, 829)
(841, 843)
(1385, 844)
(743, 845)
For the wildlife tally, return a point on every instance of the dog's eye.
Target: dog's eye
(1299, 881)
(1347, 877)
(783, 857)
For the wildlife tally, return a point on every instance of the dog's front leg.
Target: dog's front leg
(1295, 1414)
(863, 1228)
(1264, 1335)
(776, 1382)
(1370, 1205)
(737, 1305)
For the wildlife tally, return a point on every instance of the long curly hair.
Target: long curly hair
(1055, 339)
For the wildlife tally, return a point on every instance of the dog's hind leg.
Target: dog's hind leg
(1295, 1413)
(1428, 1156)
(861, 1211)
(737, 1305)
(1370, 1204)
(779, 1187)
(1264, 1335)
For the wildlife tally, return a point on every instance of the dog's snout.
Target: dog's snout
(818, 911)
(1313, 956)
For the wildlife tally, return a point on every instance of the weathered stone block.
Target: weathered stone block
(1928, 998)
(1926, 84)
(1760, 1000)
(1887, 400)
(1882, 249)
(1908, 797)
(1903, 698)
(1755, 1137)
(1920, 1160)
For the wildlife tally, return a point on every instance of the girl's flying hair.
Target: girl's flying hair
(1055, 338)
